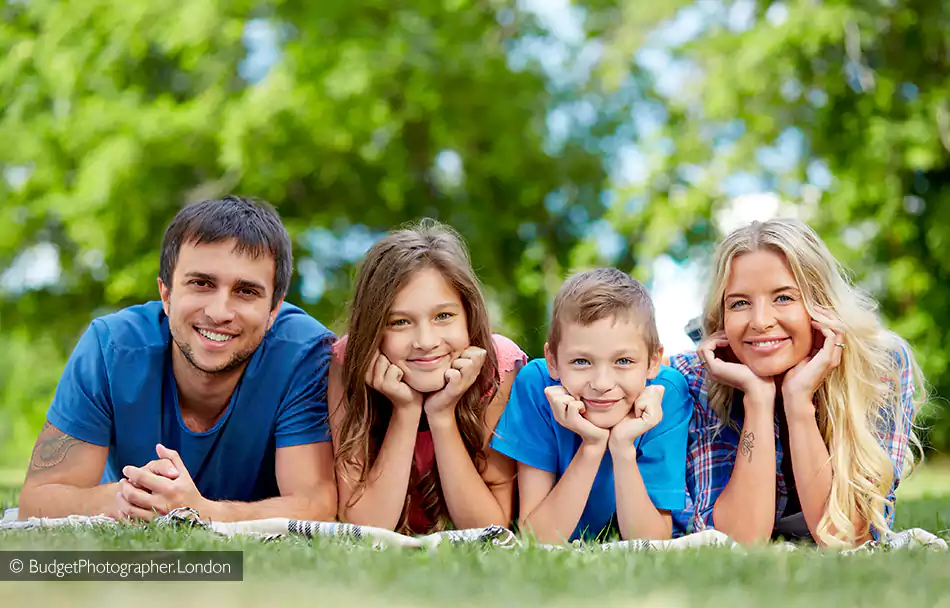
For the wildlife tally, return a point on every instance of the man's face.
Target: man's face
(219, 305)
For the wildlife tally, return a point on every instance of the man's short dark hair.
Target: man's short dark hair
(255, 225)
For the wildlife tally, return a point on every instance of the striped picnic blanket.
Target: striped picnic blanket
(494, 536)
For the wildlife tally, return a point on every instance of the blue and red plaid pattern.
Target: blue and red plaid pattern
(712, 448)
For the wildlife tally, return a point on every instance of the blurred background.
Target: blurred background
(554, 135)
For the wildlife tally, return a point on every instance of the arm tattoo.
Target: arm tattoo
(747, 443)
(51, 448)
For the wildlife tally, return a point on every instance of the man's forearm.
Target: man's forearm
(317, 506)
(61, 500)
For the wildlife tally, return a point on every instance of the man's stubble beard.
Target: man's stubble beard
(237, 359)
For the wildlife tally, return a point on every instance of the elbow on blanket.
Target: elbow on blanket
(28, 504)
(320, 505)
(35, 501)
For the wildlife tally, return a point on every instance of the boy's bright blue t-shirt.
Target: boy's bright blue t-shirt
(528, 433)
(118, 390)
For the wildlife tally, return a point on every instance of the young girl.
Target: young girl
(416, 388)
(804, 403)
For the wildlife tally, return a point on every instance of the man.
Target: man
(213, 398)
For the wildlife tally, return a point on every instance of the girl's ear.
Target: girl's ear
(550, 360)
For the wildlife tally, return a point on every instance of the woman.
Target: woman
(804, 403)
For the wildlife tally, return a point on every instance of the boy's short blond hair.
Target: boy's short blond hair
(590, 296)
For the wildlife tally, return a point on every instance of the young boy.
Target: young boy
(598, 427)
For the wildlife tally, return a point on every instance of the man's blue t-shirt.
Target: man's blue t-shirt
(118, 390)
(528, 433)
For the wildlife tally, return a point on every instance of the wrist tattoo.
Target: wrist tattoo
(51, 448)
(746, 444)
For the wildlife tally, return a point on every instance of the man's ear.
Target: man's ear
(655, 361)
(552, 363)
(273, 314)
(164, 292)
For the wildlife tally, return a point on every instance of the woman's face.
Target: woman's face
(766, 322)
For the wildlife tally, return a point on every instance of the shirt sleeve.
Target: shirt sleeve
(662, 452)
(899, 426)
(703, 459)
(510, 356)
(303, 415)
(525, 431)
(82, 403)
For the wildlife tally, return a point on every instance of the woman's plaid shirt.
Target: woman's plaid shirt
(712, 448)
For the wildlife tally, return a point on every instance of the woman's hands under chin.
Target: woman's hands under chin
(737, 375)
(802, 381)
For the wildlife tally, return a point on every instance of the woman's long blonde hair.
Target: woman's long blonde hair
(388, 266)
(860, 400)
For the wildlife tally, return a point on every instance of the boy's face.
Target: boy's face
(605, 365)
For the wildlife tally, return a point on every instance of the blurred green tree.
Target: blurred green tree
(351, 118)
(841, 108)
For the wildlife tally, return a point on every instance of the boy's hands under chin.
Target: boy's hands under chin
(458, 378)
(647, 412)
(568, 412)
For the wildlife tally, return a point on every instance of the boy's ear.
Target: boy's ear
(552, 364)
(655, 360)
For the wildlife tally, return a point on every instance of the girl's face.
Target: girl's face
(426, 330)
(766, 322)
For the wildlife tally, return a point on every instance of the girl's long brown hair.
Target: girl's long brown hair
(385, 269)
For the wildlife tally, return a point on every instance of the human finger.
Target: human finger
(137, 497)
(144, 479)
(163, 467)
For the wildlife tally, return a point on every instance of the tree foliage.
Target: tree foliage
(368, 114)
(371, 114)
(842, 108)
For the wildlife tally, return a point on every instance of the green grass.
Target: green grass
(327, 573)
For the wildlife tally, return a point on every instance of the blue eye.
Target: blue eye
(787, 298)
(738, 303)
(580, 362)
(625, 361)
